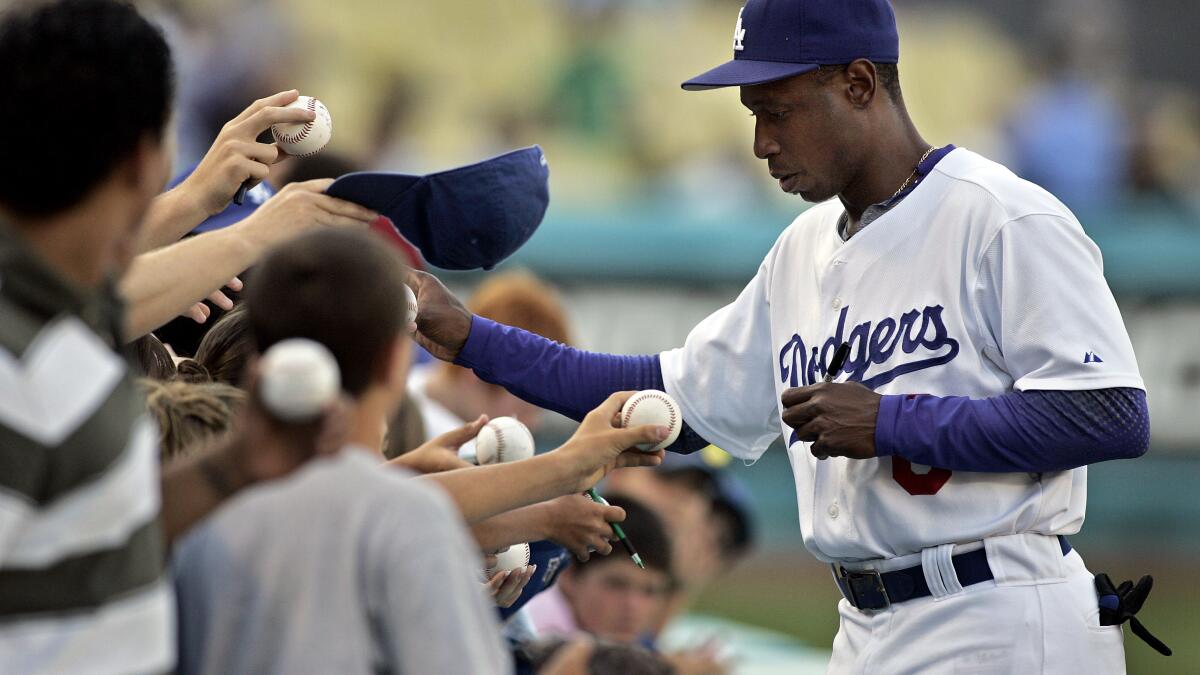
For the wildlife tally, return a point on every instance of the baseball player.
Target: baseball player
(942, 470)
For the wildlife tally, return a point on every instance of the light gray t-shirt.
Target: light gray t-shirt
(345, 566)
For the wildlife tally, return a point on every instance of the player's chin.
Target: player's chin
(814, 195)
(809, 193)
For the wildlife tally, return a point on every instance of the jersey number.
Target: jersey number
(927, 483)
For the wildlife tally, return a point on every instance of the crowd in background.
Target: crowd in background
(1060, 97)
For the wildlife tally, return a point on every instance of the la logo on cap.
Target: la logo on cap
(739, 33)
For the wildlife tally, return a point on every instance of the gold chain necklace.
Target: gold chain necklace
(912, 175)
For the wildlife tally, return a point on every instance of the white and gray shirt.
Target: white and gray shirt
(82, 584)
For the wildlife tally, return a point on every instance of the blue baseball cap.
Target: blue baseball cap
(777, 39)
(467, 218)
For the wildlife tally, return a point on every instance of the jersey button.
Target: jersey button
(833, 510)
(837, 303)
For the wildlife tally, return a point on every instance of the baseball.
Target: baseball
(299, 378)
(503, 439)
(302, 140)
(512, 558)
(653, 407)
(411, 315)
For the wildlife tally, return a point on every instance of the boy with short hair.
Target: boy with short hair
(608, 596)
(344, 565)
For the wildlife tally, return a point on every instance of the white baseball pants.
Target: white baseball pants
(1039, 615)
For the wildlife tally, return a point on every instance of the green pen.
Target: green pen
(616, 527)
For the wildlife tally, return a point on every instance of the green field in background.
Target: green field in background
(795, 595)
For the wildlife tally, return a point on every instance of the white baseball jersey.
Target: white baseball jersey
(975, 284)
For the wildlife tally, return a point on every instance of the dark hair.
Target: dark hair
(154, 359)
(646, 531)
(889, 79)
(735, 534)
(190, 370)
(608, 658)
(343, 289)
(70, 60)
(887, 76)
(226, 347)
(406, 429)
(184, 334)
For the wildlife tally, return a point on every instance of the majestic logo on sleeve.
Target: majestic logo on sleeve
(739, 33)
(878, 350)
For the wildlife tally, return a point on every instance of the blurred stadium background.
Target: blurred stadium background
(660, 212)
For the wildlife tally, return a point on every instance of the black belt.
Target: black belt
(870, 590)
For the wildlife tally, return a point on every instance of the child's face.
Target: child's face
(614, 599)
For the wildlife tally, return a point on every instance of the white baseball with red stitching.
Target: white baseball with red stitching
(514, 557)
(503, 439)
(653, 407)
(304, 140)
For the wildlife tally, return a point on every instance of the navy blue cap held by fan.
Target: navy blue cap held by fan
(551, 559)
(777, 39)
(467, 218)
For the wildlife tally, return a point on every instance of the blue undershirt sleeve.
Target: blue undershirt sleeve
(554, 376)
(1022, 431)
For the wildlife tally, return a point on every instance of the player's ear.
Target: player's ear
(861, 82)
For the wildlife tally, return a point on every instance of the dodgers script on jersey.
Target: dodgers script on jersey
(976, 284)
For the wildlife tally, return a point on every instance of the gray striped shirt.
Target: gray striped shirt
(82, 587)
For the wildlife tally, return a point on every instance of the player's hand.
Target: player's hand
(506, 586)
(441, 453)
(443, 323)
(838, 418)
(580, 525)
(601, 445)
(298, 208)
(236, 155)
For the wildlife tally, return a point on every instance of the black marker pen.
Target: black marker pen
(835, 369)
